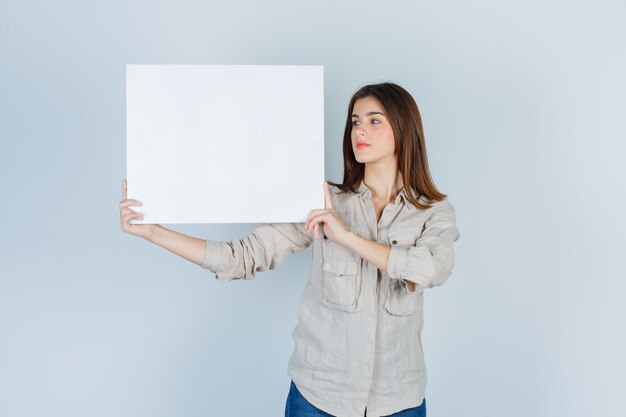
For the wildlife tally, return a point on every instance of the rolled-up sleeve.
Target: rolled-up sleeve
(265, 248)
(429, 262)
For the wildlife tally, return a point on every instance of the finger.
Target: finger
(128, 203)
(328, 203)
(316, 229)
(311, 224)
(315, 221)
(317, 218)
(130, 216)
(124, 189)
(125, 220)
(128, 210)
(308, 226)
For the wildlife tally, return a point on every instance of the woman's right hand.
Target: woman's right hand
(126, 214)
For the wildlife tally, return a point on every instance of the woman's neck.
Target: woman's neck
(385, 183)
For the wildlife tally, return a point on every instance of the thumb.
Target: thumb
(328, 203)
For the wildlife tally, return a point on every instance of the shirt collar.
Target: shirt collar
(363, 189)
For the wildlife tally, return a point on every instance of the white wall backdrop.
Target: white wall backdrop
(523, 105)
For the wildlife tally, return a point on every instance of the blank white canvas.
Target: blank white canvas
(225, 143)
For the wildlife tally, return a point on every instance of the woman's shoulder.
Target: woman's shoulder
(337, 191)
(433, 207)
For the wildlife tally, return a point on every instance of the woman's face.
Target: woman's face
(372, 136)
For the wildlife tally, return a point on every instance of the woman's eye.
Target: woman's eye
(375, 121)
(355, 123)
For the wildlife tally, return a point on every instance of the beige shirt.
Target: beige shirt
(358, 339)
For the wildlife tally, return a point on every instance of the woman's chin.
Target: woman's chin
(360, 160)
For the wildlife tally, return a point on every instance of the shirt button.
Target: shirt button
(395, 242)
(325, 237)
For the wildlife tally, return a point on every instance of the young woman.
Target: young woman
(386, 233)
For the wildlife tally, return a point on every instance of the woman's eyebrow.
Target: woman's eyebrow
(368, 114)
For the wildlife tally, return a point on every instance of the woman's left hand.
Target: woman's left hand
(334, 228)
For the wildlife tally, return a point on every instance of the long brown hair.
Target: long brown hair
(410, 148)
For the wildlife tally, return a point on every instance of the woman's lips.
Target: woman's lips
(361, 145)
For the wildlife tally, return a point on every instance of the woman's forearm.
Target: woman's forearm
(188, 247)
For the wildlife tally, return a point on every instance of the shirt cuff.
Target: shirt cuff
(396, 268)
(213, 255)
(395, 263)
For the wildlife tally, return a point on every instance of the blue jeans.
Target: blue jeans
(298, 406)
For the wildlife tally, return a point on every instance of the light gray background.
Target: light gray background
(523, 106)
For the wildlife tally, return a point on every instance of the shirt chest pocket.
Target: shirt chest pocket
(398, 301)
(405, 237)
(342, 277)
(342, 285)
